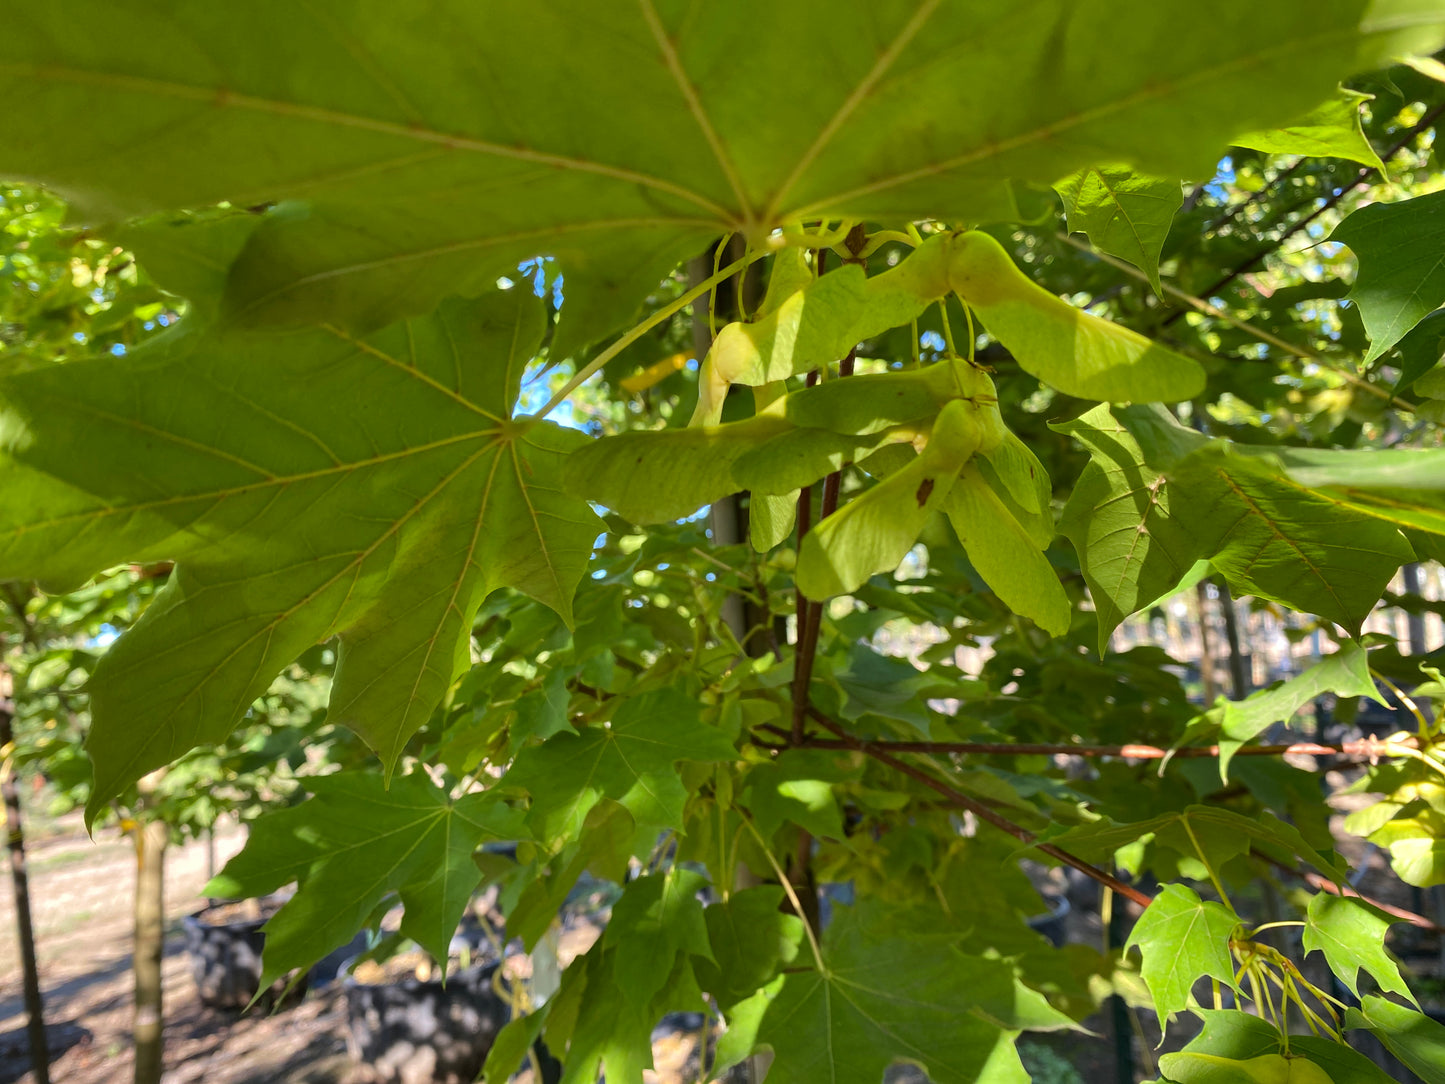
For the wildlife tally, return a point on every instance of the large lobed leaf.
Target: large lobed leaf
(885, 996)
(353, 845)
(420, 158)
(1182, 939)
(310, 484)
(1316, 530)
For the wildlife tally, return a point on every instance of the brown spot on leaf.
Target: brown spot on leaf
(925, 489)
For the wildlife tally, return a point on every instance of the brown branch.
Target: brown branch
(983, 812)
(1360, 178)
(1324, 884)
(1365, 749)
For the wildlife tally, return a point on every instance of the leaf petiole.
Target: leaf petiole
(670, 309)
(792, 895)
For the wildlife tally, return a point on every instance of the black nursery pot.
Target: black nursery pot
(226, 960)
(415, 1032)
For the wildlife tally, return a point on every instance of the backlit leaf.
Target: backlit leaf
(1183, 939)
(414, 157)
(309, 484)
(1332, 130)
(1125, 214)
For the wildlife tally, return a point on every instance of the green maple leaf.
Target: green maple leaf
(309, 484)
(1414, 1038)
(1351, 934)
(1120, 519)
(1272, 537)
(657, 919)
(350, 847)
(648, 960)
(1346, 673)
(1255, 514)
(1402, 276)
(1125, 214)
(1330, 131)
(885, 997)
(417, 158)
(629, 759)
(1182, 939)
(750, 939)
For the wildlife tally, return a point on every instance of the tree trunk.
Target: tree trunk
(726, 517)
(151, 839)
(1206, 648)
(25, 930)
(1116, 932)
(1238, 679)
(1414, 622)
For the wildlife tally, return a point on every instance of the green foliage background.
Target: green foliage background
(382, 468)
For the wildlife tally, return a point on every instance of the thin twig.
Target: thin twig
(670, 309)
(1360, 178)
(983, 812)
(1269, 338)
(1324, 884)
(1368, 748)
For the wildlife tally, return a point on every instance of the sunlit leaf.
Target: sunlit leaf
(1183, 939)
(1351, 934)
(309, 484)
(1125, 214)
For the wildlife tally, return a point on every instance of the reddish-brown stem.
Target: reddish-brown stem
(983, 812)
(1324, 884)
(1365, 749)
(807, 634)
